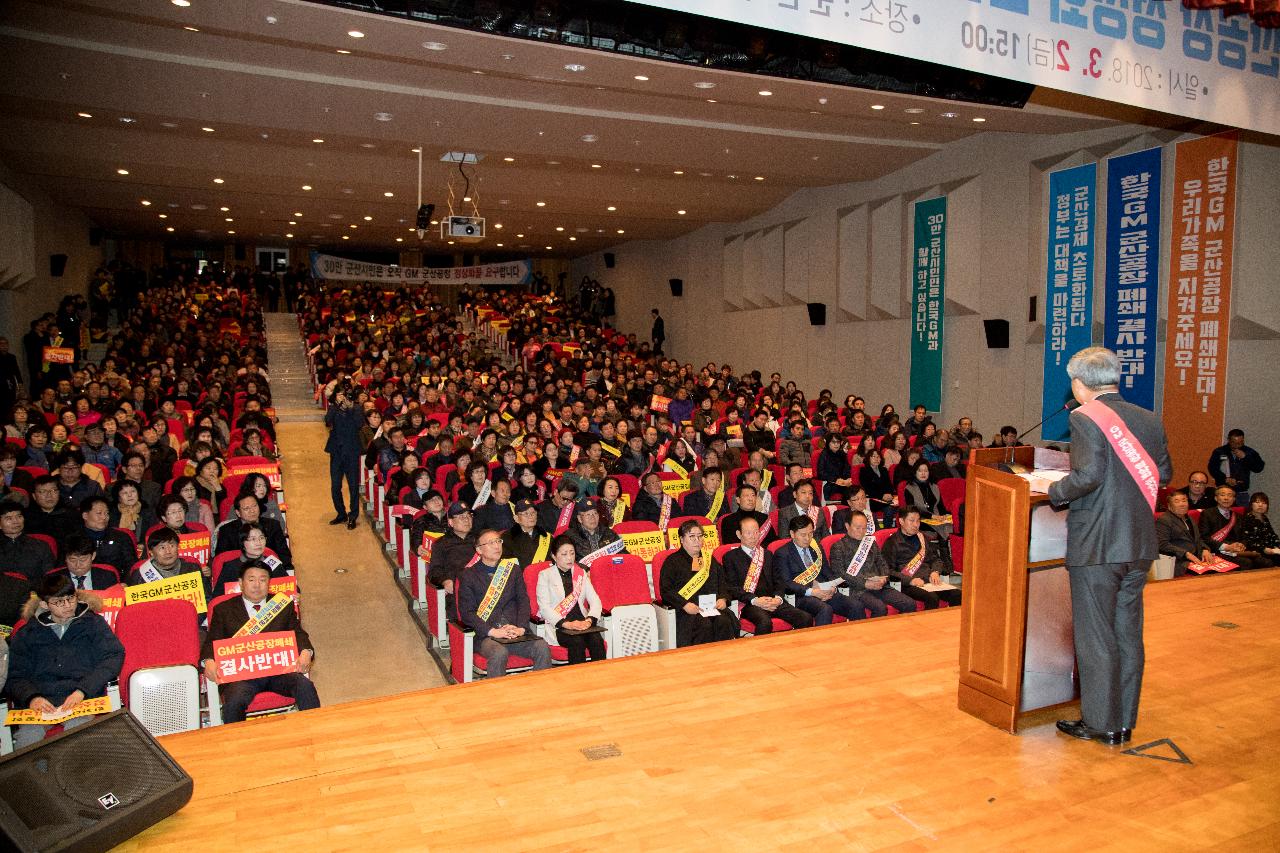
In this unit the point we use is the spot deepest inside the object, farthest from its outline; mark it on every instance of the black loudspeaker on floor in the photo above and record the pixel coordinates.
(88, 789)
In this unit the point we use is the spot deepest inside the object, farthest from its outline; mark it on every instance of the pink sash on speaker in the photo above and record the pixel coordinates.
(1135, 458)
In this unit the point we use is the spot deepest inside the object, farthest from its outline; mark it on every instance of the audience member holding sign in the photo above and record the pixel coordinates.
(1221, 528)
(63, 655)
(694, 586)
(249, 614)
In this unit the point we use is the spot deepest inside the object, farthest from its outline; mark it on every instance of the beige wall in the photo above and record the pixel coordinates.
(50, 229)
(745, 284)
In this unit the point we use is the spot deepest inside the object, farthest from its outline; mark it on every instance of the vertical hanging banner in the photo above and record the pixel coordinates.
(1132, 285)
(928, 302)
(1069, 298)
(1200, 250)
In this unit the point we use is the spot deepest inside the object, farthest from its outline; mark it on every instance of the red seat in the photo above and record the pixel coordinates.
(634, 527)
(828, 541)
(620, 579)
(951, 490)
(156, 633)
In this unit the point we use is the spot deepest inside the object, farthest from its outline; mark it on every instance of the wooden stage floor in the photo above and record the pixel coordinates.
(846, 737)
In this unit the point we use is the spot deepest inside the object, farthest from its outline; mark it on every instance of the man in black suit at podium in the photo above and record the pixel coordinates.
(1119, 459)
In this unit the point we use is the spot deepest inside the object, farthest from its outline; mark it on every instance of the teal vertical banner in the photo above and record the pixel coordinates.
(1068, 288)
(928, 302)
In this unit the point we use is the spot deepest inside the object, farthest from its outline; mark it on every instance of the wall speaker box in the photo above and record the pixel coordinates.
(95, 236)
(997, 333)
(817, 313)
(1031, 309)
(677, 286)
(609, 260)
(90, 788)
(57, 265)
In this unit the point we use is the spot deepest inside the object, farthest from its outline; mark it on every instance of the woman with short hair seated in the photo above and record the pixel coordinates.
(567, 602)
(64, 654)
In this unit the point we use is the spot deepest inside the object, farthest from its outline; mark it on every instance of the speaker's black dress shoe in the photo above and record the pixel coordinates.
(1078, 729)
(1126, 735)
(338, 519)
(351, 522)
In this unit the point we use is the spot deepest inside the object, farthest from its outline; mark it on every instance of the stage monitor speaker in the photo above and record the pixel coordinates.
(817, 313)
(90, 788)
(677, 286)
(57, 265)
(95, 236)
(609, 260)
(997, 333)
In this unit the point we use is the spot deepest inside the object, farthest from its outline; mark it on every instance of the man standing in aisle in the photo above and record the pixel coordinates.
(659, 333)
(343, 448)
(1119, 459)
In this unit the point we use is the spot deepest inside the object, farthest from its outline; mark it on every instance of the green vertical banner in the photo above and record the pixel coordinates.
(928, 303)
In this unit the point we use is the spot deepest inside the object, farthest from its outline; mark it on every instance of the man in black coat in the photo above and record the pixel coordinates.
(19, 553)
(229, 617)
(1179, 537)
(1119, 459)
(10, 377)
(112, 547)
(343, 447)
(750, 579)
(79, 560)
(249, 511)
(659, 332)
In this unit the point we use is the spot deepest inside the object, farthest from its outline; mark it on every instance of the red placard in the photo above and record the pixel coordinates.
(112, 604)
(59, 355)
(285, 586)
(195, 547)
(658, 403)
(255, 656)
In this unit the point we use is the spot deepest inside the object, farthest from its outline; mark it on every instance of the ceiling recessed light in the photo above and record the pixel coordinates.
(589, 137)
(641, 78)
(559, 227)
(433, 222)
(229, 219)
(183, 3)
(399, 239)
(704, 84)
(382, 117)
(355, 34)
(297, 215)
(621, 231)
(508, 159)
(146, 203)
(765, 93)
(317, 140)
(207, 129)
(682, 212)
(499, 245)
(306, 187)
(435, 45)
(913, 111)
(224, 209)
(346, 236)
(415, 150)
(85, 115)
(191, 29)
(595, 165)
(498, 225)
(548, 248)
(169, 228)
(575, 67)
(389, 194)
(288, 235)
(712, 101)
(164, 216)
(877, 106)
(678, 172)
(231, 232)
(759, 177)
(950, 115)
(915, 122)
(979, 119)
(542, 204)
(611, 208)
(573, 239)
(477, 71)
(343, 51)
(368, 219)
(293, 222)
(519, 235)
(122, 171)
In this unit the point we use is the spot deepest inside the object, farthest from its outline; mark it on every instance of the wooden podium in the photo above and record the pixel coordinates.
(1016, 649)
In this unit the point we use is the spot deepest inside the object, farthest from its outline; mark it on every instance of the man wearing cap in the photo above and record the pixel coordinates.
(525, 540)
(432, 519)
(493, 602)
(452, 552)
(555, 514)
(590, 536)
(98, 452)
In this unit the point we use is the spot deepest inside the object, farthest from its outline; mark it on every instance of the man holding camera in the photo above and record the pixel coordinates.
(343, 448)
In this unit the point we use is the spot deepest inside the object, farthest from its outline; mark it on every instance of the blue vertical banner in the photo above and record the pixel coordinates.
(1069, 287)
(928, 302)
(1132, 261)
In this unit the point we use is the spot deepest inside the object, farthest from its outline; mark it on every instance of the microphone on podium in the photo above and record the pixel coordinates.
(1068, 406)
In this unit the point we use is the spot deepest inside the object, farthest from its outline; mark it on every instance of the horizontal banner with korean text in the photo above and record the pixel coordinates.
(1150, 53)
(331, 268)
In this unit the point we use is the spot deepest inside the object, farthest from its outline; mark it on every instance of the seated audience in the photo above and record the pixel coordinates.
(693, 585)
(591, 538)
(494, 603)
(747, 500)
(248, 509)
(917, 556)
(163, 561)
(710, 501)
(750, 579)
(128, 512)
(1199, 495)
(859, 561)
(452, 553)
(1220, 527)
(113, 546)
(1179, 536)
(804, 505)
(922, 492)
(79, 565)
(1259, 537)
(805, 573)
(19, 552)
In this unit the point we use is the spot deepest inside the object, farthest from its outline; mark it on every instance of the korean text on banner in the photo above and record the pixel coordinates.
(1200, 251)
(330, 268)
(256, 656)
(87, 708)
(928, 302)
(1132, 284)
(188, 586)
(1069, 287)
(1143, 53)
(644, 545)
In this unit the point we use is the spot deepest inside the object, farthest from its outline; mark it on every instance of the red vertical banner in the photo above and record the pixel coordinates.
(1199, 317)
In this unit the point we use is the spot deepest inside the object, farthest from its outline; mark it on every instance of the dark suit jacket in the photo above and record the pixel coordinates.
(229, 537)
(1211, 521)
(1110, 521)
(229, 616)
(100, 578)
(344, 431)
(1178, 536)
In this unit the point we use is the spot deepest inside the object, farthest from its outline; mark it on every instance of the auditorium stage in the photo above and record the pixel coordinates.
(846, 736)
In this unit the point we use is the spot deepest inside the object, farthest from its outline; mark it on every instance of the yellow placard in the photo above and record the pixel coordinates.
(645, 545)
(87, 708)
(187, 587)
(675, 487)
(942, 519)
(710, 538)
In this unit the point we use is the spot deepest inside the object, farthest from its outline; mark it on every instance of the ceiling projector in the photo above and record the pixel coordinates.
(463, 229)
